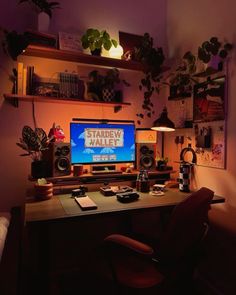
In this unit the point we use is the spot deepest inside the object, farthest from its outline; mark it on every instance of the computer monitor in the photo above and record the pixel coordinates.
(99, 143)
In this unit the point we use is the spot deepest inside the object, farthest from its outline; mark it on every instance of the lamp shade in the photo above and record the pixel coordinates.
(163, 123)
(116, 52)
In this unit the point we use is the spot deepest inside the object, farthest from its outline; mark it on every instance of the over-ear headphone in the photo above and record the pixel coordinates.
(188, 149)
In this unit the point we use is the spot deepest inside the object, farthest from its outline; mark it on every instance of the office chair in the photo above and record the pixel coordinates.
(168, 267)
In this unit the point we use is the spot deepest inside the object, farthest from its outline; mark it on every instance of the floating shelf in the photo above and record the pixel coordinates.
(79, 57)
(13, 98)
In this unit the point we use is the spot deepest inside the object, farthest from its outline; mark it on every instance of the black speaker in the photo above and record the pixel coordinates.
(58, 158)
(146, 156)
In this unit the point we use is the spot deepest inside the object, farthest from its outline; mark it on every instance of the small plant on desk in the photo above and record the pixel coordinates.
(34, 142)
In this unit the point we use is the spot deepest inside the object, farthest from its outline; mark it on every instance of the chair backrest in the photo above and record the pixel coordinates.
(186, 226)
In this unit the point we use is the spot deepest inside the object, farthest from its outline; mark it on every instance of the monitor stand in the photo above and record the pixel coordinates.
(104, 169)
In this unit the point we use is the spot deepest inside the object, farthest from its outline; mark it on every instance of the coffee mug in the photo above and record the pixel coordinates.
(78, 170)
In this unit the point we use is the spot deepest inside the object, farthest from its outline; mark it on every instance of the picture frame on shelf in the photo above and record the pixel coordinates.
(176, 92)
(128, 42)
(69, 42)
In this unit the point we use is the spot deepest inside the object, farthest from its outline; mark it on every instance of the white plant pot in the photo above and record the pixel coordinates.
(43, 22)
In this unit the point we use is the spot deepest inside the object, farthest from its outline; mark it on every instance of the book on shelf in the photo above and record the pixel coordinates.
(20, 78)
(70, 86)
(24, 88)
(30, 80)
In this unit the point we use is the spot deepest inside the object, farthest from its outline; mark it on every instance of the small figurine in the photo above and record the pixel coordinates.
(56, 133)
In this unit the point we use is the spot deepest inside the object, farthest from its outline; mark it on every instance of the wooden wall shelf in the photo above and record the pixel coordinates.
(79, 57)
(13, 99)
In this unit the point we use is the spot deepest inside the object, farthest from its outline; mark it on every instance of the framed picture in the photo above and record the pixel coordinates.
(129, 41)
(209, 100)
(178, 92)
(70, 42)
(213, 155)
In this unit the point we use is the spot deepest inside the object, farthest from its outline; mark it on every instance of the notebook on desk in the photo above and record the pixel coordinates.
(85, 203)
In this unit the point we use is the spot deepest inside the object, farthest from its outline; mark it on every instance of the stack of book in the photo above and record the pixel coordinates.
(70, 86)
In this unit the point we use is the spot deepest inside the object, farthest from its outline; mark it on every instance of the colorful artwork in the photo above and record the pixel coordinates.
(209, 100)
(215, 155)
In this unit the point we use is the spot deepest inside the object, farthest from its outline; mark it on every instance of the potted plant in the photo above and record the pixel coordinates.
(43, 5)
(110, 81)
(161, 163)
(181, 79)
(95, 40)
(44, 9)
(103, 87)
(34, 142)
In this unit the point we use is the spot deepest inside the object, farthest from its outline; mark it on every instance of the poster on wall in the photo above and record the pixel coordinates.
(214, 155)
(209, 100)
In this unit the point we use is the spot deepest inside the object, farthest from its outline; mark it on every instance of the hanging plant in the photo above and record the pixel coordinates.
(13, 43)
(181, 79)
(185, 75)
(152, 59)
(214, 48)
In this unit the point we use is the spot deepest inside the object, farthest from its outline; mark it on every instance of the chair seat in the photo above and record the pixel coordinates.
(137, 273)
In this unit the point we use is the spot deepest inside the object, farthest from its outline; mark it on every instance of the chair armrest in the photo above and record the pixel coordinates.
(129, 243)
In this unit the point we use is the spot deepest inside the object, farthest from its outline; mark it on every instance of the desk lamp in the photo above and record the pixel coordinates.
(163, 124)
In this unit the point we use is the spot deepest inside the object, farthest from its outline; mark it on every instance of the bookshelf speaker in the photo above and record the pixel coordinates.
(146, 156)
(58, 158)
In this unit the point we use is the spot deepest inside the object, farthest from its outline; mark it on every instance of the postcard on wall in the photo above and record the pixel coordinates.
(70, 42)
(209, 100)
(215, 155)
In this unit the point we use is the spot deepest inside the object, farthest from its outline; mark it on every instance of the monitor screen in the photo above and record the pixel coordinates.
(95, 143)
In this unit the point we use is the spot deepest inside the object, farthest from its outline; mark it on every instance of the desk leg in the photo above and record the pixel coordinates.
(37, 240)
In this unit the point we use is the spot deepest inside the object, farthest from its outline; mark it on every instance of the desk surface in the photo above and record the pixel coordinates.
(63, 206)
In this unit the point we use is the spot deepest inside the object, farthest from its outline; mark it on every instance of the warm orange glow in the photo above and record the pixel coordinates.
(164, 129)
(116, 52)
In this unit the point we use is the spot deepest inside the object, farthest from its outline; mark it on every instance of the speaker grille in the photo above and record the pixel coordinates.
(58, 159)
(146, 156)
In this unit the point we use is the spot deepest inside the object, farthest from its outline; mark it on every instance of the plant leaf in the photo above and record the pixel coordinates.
(114, 42)
(107, 44)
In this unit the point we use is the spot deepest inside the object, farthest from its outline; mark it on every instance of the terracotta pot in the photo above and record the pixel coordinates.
(44, 191)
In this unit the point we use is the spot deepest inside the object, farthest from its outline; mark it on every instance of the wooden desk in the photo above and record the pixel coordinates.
(53, 209)
(62, 238)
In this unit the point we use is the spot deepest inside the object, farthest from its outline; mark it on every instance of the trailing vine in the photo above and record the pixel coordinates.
(152, 59)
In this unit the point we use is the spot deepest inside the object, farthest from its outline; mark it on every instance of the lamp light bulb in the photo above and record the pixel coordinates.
(116, 52)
